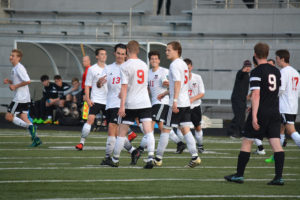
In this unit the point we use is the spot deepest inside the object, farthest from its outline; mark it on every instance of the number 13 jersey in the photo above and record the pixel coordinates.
(266, 78)
(134, 72)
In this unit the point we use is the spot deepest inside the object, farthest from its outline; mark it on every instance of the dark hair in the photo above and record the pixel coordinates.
(254, 60)
(188, 61)
(176, 46)
(44, 78)
(153, 53)
(283, 53)
(99, 49)
(272, 60)
(133, 46)
(261, 50)
(75, 80)
(120, 45)
(18, 51)
(57, 77)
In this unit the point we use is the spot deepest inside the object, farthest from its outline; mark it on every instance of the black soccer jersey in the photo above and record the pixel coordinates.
(61, 90)
(50, 91)
(266, 78)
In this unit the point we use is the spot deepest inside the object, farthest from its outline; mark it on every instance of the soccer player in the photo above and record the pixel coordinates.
(97, 99)
(20, 104)
(271, 62)
(288, 96)
(196, 92)
(264, 117)
(112, 76)
(179, 114)
(135, 102)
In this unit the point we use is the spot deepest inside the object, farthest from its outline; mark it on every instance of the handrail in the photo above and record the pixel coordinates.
(130, 16)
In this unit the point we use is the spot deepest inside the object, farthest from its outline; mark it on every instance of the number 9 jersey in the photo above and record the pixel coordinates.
(266, 78)
(134, 72)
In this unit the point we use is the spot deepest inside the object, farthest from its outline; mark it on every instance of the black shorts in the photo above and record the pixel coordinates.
(269, 126)
(17, 108)
(182, 118)
(288, 118)
(112, 115)
(143, 114)
(159, 112)
(96, 108)
(196, 116)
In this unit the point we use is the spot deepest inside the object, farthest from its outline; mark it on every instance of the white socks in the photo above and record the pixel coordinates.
(19, 122)
(296, 137)
(150, 144)
(174, 137)
(144, 142)
(191, 144)
(258, 142)
(282, 138)
(199, 137)
(179, 134)
(119, 146)
(162, 144)
(110, 145)
(86, 129)
(128, 146)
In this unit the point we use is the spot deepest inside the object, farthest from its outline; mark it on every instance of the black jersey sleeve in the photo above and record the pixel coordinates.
(255, 79)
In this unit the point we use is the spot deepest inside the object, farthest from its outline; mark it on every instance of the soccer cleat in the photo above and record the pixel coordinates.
(234, 178)
(48, 121)
(106, 161)
(35, 120)
(115, 163)
(200, 148)
(270, 160)
(180, 147)
(79, 146)
(149, 165)
(284, 142)
(258, 152)
(36, 142)
(135, 155)
(132, 136)
(40, 121)
(276, 181)
(56, 122)
(194, 162)
(32, 131)
(157, 162)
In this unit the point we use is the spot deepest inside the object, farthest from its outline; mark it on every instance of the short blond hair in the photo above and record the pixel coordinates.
(18, 51)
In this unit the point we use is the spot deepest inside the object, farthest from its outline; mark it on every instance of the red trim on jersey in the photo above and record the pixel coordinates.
(84, 77)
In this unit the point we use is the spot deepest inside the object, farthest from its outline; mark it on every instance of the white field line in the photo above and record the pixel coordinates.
(184, 197)
(132, 180)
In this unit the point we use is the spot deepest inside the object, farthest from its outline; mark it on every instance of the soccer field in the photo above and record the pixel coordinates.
(56, 170)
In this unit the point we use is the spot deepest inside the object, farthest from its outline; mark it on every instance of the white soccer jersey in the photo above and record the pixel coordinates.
(19, 75)
(113, 77)
(196, 87)
(179, 72)
(134, 72)
(98, 95)
(288, 100)
(155, 83)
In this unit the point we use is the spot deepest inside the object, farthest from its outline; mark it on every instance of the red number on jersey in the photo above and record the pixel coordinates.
(151, 83)
(116, 80)
(186, 78)
(140, 75)
(295, 81)
(190, 92)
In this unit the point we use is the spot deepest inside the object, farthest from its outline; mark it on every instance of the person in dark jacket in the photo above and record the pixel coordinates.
(239, 99)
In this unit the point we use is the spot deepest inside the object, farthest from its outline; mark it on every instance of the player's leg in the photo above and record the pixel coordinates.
(36, 141)
(147, 127)
(243, 159)
(196, 118)
(260, 148)
(161, 146)
(290, 129)
(279, 161)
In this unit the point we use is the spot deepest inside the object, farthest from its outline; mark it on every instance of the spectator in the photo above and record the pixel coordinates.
(168, 5)
(271, 62)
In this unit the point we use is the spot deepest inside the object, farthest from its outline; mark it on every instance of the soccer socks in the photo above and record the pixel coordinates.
(259, 145)
(296, 137)
(128, 146)
(19, 122)
(282, 138)
(179, 134)
(199, 137)
(143, 143)
(150, 145)
(110, 145)
(86, 129)
(162, 144)
(242, 162)
(174, 137)
(118, 147)
(279, 162)
(191, 144)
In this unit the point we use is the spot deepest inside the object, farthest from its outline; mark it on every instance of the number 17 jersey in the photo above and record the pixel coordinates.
(266, 78)
(134, 72)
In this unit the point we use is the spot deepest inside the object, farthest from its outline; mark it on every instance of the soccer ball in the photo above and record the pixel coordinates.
(66, 111)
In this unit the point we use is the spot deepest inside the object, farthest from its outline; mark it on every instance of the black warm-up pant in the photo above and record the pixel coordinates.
(238, 121)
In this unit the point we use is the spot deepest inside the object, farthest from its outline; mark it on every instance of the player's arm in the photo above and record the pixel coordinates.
(255, 104)
(201, 91)
(177, 86)
(162, 95)
(14, 87)
(123, 95)
(7, 81)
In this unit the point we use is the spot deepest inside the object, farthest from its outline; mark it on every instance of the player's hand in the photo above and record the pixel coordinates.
(255, 124)
(174, 108)
(121, 112)
(6, 81)
(101, 81)
(90, 103)
(12, 87)
(160, 96)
